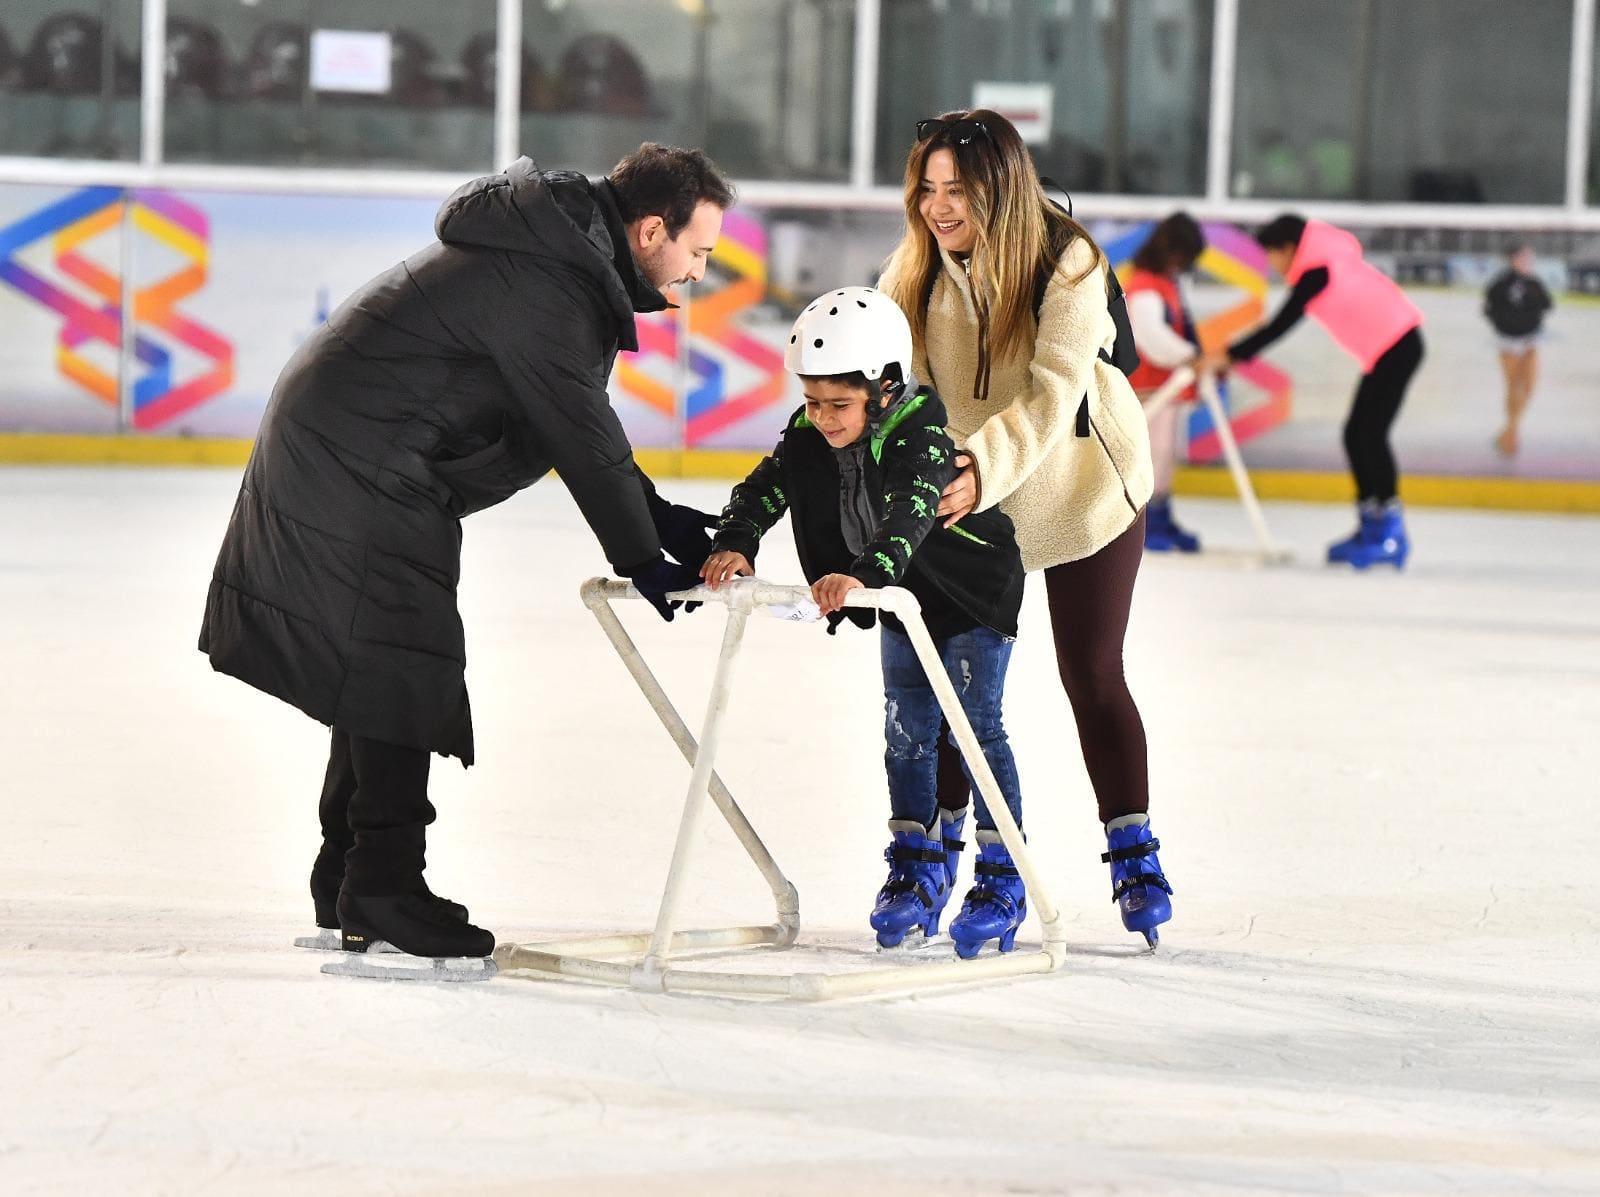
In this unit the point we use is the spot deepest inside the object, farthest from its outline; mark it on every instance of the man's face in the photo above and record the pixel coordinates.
(670, 261)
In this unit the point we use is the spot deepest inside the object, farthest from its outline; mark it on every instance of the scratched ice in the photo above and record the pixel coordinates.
(1376, 796)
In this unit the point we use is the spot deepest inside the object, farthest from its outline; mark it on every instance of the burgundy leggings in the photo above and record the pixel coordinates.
(1089, 603)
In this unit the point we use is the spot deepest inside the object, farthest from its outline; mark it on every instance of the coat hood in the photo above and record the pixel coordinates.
(556, 215)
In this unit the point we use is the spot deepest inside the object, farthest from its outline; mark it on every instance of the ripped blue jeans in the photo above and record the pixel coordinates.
(976, 663)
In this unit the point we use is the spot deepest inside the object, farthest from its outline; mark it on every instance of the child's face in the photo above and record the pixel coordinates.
(1281, 258)
(837, 410)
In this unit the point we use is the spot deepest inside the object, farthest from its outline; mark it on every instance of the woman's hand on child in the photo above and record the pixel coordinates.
(828, 592)
(724, 566)
(961, 496)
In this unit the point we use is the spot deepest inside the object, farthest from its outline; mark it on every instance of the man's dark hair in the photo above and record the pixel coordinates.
(1174, 245)
(1283, 233)
(665, 181)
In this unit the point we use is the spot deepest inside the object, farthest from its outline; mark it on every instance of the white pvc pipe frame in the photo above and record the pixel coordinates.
(655, 969)
(1168, 393)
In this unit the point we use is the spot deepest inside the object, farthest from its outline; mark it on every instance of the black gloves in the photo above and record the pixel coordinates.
(682, 532)
(657, 578)
(862, 617)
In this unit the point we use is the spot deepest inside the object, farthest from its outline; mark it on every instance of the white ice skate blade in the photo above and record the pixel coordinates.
(327, 940)
(915, 941)
(380, 962)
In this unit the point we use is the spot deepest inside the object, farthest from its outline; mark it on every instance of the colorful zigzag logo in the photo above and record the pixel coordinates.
(710, 406)
(97, 318)
(1232, 258)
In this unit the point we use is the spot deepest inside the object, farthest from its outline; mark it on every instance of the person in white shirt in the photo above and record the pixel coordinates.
(1164, 332)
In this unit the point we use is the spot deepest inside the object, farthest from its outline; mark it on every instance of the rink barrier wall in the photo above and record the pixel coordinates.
(1416, 490)
(1303, 486)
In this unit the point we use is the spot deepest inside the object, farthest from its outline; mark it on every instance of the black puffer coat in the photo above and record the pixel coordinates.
(445, 385)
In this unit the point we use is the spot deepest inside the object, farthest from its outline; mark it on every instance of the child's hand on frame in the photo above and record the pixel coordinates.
(724, 566)
(828, 592)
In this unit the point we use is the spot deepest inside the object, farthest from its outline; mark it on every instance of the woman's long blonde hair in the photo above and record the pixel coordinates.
(1020, 233)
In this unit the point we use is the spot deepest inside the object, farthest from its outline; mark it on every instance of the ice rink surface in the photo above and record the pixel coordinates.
(1377, 796)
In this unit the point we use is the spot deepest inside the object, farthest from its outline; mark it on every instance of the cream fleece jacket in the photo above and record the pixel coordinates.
(1069, 496)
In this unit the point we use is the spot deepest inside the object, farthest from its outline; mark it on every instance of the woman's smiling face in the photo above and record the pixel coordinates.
(944, 204)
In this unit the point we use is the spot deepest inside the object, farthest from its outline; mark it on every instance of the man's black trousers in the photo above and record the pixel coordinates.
(375, 812)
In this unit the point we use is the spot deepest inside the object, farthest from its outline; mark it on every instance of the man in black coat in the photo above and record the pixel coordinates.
(446, 385)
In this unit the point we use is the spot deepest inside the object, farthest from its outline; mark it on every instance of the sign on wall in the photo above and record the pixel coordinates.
(1028, 106)
(350, 60)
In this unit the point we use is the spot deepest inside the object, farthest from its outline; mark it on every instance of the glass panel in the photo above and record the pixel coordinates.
(1441, 101)
(69, 78)
(1592, 187)
(334, 83)
(763, 86)
(1121, 88)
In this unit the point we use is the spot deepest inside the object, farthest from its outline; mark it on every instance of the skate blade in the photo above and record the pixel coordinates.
(327, 940)
(381, 962)
(915, 941)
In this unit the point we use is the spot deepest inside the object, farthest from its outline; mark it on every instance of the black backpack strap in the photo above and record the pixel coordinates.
(1124, 353)
(1125, 357)
(1050, 185)
(1042, 283)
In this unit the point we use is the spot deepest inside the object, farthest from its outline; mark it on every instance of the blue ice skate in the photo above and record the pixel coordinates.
(914, 896)
(1137, 885)
(1340, 551)
(1383, 539)
(996, 904)
(951, 824)
(1162, 533)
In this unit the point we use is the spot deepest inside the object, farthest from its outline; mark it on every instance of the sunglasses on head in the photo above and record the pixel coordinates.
(962, 132)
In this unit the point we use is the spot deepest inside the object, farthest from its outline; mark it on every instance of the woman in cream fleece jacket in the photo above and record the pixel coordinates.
(1052, 433)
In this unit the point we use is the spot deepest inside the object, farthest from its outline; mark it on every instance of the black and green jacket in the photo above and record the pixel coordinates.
(963, 576)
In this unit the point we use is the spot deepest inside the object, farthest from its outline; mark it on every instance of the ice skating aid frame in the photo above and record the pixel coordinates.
(653, 965)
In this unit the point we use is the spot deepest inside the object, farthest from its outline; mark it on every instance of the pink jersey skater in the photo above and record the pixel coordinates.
(1361, 307)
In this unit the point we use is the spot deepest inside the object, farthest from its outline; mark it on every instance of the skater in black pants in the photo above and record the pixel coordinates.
(445, 385)
(1372, 320)
(1366, 429)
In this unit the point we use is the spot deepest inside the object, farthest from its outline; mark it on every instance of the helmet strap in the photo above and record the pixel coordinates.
(890, 399)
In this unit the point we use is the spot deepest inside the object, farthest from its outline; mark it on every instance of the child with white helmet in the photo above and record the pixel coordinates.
(859, 469)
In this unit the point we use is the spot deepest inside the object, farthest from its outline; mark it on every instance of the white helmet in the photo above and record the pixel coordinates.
(853, 328)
